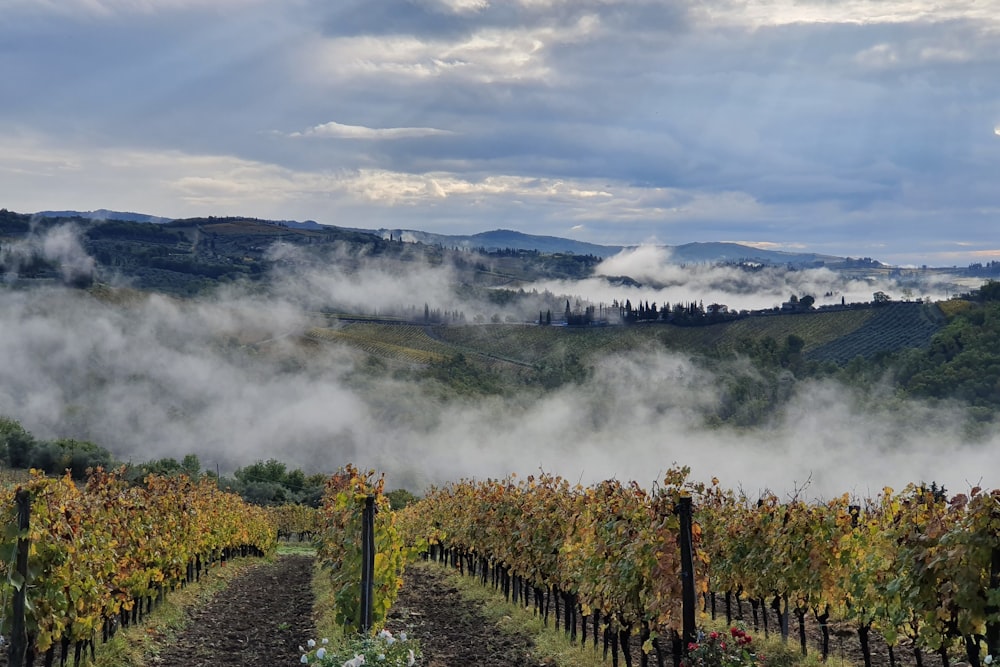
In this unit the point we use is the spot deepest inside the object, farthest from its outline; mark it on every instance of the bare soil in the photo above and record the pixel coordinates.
(259, 620)
(452, 631)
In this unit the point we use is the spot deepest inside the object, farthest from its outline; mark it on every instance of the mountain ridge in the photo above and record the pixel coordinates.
(504, 239)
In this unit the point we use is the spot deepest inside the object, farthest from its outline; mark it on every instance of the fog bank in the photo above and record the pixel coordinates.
(225, 379)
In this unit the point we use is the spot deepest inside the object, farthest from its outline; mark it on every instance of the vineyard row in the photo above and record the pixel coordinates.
(101, 556)
(915, 564)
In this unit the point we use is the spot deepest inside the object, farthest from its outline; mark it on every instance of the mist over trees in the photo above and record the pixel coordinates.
(434, 363)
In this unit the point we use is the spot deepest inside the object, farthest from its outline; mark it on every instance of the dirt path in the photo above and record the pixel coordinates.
(452, 632)
(259, 620)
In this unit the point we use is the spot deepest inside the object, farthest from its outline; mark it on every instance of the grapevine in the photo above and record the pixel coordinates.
(100, 553)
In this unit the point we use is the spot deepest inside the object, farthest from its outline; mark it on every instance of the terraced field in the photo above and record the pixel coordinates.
(893, 327)
(837, 336)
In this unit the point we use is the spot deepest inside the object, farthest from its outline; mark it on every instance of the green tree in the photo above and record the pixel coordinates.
(15, 443)
(400, 498)
(271, 470)
(191, 466)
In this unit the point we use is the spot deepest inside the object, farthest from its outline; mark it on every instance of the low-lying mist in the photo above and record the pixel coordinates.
(227, 378)
(740, 288)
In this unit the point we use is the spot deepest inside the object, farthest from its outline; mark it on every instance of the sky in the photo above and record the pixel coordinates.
(852, 128)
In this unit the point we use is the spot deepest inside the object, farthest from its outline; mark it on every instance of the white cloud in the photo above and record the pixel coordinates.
(465, 6)
(335, 130)
(488, 55)
(879, 55)
(761, 13)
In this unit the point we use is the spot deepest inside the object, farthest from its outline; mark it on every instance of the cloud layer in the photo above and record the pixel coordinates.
(855, 128)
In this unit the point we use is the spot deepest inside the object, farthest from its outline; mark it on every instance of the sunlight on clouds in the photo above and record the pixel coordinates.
(335, 130)
(487, 55)
(762, 13)
(465, 6)
(391, 188)
(203, 184)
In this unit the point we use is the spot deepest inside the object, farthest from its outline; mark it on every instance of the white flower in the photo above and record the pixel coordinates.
(321, 653)
(411, 659)
(381, 657)
(304, 659)
(311, 643)
(988, 660)
(402, 636)
(356, 661)
(325, 641)
(385, 634)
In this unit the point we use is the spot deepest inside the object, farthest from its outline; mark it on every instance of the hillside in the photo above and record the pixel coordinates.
(503, 239)
(186, 257)
(837, 336)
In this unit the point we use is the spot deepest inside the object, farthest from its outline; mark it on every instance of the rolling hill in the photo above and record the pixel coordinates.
(836, 336)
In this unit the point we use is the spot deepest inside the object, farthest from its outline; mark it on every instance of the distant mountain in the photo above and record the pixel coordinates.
(105, 214)
(688, 253)
(499, 239)
(126, 216)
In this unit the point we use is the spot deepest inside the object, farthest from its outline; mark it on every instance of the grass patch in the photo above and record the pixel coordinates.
(324, 610)
(295, 549)
(141, 644)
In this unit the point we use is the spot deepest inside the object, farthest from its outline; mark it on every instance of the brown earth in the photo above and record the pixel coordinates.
(452, 631)
(259, 620)
(263, 617)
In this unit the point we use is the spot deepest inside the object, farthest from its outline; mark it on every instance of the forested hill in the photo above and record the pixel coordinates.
(189, 256)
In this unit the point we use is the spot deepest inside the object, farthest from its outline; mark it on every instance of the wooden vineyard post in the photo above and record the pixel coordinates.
(993, 626)
(367, 564)
(18, 632)
(690, 634)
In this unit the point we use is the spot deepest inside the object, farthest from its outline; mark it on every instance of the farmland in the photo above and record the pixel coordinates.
(836, 336)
